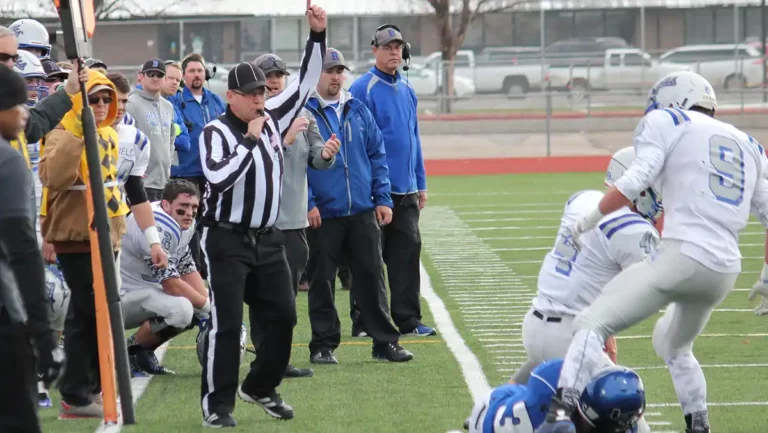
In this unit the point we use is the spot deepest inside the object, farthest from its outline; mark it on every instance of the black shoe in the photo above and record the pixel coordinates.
(392, 352)
(323, 357)
(136, 370)
(147, 361)
(697, 422)
(292, 371)
(357, 331)
(215, 420)
(272, 404)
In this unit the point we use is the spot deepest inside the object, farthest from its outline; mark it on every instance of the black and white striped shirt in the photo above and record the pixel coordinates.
(245, 175)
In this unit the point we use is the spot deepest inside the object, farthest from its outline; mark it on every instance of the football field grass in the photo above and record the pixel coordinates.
(484, 238)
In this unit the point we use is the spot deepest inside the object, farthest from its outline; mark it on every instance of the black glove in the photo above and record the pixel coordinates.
(50, 357)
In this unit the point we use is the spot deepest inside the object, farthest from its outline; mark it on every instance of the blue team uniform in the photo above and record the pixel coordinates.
(520, 408)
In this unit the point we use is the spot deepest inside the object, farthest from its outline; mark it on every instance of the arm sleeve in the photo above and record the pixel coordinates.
(19, 241)
(421, 173)
(220, 171)
(134, 189)
(378, 158)
(186, 263)
(316, 145)
(284, 107)
(60, 163)
(759, 203)
(44, 116)
(170, 236)
(650, 154)
(143, 147)
(182, 140)
(310, 199)
(632, 246)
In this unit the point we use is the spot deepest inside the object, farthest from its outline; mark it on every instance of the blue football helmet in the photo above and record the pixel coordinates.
(614, 400)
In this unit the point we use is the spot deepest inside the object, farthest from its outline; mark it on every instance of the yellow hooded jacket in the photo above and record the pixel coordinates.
(63, 170)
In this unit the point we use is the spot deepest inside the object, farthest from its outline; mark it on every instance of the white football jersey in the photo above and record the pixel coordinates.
(134, 152)
(33, 149)
(707, 172)
(136, 269)
(570, 279)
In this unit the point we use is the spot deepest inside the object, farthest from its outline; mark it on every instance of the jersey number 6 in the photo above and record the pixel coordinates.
(566, 254)
(520, 422)
(727, 158)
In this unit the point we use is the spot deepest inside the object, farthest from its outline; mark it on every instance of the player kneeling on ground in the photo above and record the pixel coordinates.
(162, 302)
(612, 402)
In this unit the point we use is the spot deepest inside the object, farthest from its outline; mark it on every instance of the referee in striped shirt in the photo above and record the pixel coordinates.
(242, 156)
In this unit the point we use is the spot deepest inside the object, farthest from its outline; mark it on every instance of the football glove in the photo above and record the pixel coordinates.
(761, 288)
(584, 224)
(50, 357)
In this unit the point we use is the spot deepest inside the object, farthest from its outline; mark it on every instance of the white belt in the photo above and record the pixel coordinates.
(82, 187)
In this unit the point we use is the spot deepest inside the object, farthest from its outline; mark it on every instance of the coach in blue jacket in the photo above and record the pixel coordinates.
(353, 199)
(392, 101)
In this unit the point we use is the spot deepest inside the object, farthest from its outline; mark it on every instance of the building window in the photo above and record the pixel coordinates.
(473, 40)
(724, 27)
(341, 34)
(752, 24)
(699, 26)
(287, 36)
(214, 40)
(526, 29)
(254, 39)
(498, 29)
(366, 29)
(558, 26)
(620, 24)
(588, 24)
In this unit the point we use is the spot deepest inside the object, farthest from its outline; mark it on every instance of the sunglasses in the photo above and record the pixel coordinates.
(4, 57)
(258, 92)
(154, 74)
(94, 100)
(271, 63)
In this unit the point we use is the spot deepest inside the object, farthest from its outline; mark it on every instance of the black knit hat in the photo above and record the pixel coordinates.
(13, 89)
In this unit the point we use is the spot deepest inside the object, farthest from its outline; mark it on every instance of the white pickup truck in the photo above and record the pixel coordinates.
(492, 71)
(621, 69)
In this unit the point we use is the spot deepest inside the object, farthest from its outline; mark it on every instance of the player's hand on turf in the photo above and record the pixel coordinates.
(383, 215)
(159, 256)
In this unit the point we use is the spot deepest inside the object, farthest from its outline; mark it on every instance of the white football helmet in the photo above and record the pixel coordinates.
(648, 204)
(682, 89)
(57, 294)
(30, 68)
(32, 35)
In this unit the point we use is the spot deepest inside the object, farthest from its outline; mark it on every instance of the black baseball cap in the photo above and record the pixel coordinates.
(156, 65)
(387, 35)
(269, 63)
(246, 77)
(52, 70)
(95, 63)
(334, 58)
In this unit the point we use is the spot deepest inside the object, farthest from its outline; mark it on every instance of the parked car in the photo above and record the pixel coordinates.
(729, 66)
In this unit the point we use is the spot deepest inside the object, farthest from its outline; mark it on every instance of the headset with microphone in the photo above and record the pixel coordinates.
(406, 45)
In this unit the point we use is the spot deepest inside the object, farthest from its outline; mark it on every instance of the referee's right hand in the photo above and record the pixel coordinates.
(256, 125)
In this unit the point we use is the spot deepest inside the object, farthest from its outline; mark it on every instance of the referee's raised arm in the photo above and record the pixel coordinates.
(284, 107)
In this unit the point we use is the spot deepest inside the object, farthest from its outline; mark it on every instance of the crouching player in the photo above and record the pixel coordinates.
(162, 302)
(612, 402)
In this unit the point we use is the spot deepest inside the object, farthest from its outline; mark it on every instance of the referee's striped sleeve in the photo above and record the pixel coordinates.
(222, 171)
(284, 107)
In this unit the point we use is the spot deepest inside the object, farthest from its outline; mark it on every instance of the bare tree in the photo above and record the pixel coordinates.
(452, 35)
(104, 9)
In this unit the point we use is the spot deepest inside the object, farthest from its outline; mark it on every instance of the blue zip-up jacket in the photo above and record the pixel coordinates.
(195, 116)
(393, 103)
(359, 179)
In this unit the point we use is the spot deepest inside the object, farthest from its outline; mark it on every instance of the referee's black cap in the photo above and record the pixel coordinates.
(245, 78)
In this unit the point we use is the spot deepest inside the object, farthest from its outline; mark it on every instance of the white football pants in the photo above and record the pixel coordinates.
(668, 278)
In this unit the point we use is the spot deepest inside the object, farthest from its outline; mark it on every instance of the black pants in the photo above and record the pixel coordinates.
(297, 252)
(250, 268)
(154, 194)
(401, 246)
(194, 243)
(18, 379)
(81, 375)
(360, 237)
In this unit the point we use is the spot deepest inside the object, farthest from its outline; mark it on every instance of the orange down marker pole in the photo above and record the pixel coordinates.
(103, 327)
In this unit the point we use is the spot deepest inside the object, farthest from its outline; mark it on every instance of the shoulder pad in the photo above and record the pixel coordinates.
(667, 116)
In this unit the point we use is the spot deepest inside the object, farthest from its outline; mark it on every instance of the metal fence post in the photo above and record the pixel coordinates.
(548, 109)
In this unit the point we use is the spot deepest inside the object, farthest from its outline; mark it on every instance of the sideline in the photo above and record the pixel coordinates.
(468, 362)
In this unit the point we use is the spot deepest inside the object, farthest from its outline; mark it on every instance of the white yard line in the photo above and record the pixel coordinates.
(468, 362)
(138, 386)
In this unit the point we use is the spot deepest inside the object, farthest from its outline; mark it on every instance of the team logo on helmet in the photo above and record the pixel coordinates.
(21, 64)
(17, 30)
